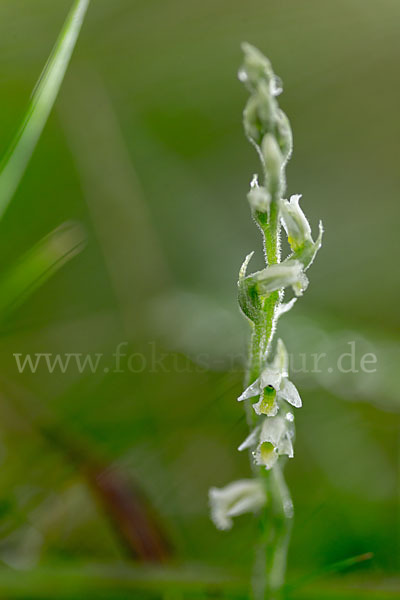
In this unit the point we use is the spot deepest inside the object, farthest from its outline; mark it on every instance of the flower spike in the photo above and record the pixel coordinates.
(268, 389)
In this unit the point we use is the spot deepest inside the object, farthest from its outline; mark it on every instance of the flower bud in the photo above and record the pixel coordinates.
(251, 121)
(259, 199)
(255, 67)
(245, 495)
(260, 113)
(266, 107)
(273, 160)
(284, 134)
(295, 223)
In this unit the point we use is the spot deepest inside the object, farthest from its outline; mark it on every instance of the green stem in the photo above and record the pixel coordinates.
(275, 529)
(255, 362)
(282, 513)
(270, 232)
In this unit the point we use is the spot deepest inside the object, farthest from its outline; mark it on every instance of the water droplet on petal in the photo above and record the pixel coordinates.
(290, 417)
(288, 508)
(254, 181)
(276, 85)
(242, 75)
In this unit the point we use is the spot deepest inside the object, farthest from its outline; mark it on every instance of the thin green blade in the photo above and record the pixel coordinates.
(39, 264)
(16, 158)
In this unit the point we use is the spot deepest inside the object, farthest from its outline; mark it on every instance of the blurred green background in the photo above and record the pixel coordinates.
(145, 148)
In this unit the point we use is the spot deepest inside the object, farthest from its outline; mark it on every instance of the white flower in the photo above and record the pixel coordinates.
(299, 231)
(276, 277)
(271, 439)
(295, 222)
(259, 199)
(245, 495)
(273, 385)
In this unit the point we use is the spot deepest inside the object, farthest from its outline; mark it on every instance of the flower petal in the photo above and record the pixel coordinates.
(281, 359)
(289, 393)
(286, 446)
(270, 376)
(251, 440)
(253, 390)
(285, 307)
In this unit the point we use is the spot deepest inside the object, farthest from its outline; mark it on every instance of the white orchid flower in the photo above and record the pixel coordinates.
(273, 385)
(271, 439)
(245, 495)
(278, 276)
(295, 222)
(299, 231)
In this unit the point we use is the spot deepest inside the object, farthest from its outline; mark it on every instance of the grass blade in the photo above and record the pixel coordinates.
(336, 567)
(39, 264)
(17, 156)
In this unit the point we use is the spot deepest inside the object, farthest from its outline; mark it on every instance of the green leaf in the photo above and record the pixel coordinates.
(39, 264)
(16, 158)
